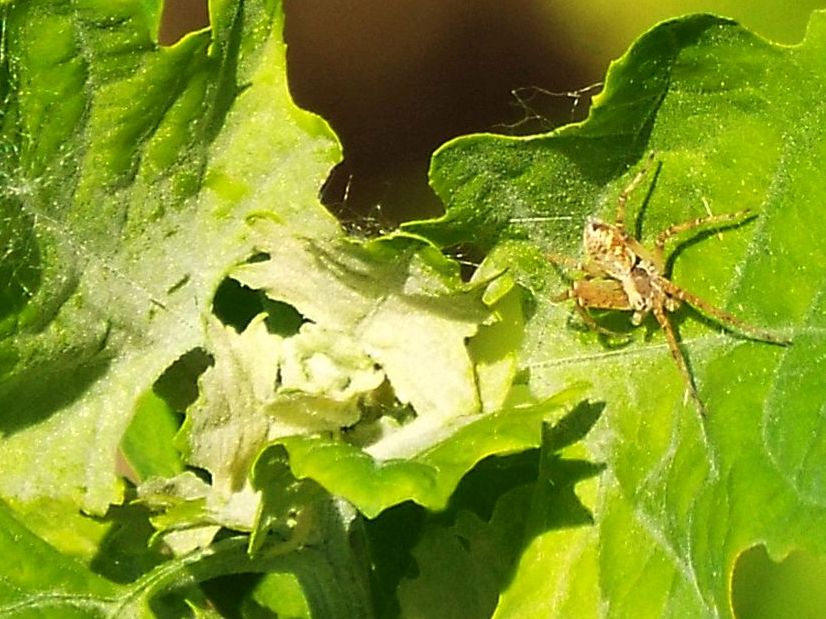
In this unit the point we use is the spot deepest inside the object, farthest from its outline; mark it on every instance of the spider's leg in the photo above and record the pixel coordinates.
(588, 268)
(678, 356)
(593, 324)
(564, 261)
(622, 199)
(724, 218)
(722, 316)
(563, 296)
(594, 293)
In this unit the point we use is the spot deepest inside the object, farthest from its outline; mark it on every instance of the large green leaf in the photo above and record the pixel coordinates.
(123, 204)
(427, 474)
(735, 123)
(44, 582)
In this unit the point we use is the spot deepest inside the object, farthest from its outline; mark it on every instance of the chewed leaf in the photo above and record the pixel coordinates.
(323, 376)
(125, 197)
(260, 387)
(409, 315)
(383, 359)
(226, 427)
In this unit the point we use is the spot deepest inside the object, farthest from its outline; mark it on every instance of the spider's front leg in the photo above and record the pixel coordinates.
(588, 268)
(638, 316)
(591, 291)
(622, 199)
(712, 220)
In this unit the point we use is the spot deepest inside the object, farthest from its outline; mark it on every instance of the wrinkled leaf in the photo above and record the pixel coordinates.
(123, 203)
(397, 313)
(427, 476)
(409, 314)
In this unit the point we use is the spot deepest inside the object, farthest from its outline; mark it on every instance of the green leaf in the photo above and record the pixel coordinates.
(763, 588)
(428, 474)
(683, 495)
(124, 201)
(37, 580)
(153, 417)
(466, 555)
(280, 594)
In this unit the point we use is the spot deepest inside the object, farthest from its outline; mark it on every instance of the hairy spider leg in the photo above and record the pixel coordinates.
(722, 316)
(622, 199)
(678, 356)
(673, 230)
(586, 317)
(592, 291)
(565, 261)
(580, 309)
(590, 269)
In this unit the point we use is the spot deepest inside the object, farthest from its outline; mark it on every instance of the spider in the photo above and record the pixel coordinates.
(621, 274)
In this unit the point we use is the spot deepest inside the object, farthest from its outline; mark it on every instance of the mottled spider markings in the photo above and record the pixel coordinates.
(619, 273)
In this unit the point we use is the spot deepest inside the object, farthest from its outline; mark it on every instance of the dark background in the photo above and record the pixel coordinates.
(396, 79)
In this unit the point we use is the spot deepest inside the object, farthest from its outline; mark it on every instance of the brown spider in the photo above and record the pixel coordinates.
(621, 274)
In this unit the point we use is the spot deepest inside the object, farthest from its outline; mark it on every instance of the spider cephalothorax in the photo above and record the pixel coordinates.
(621, 274)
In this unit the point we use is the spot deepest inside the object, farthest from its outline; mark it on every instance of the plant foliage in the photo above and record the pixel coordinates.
(213, 402)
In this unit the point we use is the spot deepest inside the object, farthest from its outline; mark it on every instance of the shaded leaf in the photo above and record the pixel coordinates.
(45, 582)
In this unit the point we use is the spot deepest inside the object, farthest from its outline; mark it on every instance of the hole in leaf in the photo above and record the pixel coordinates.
(205, 476)
(236, 305)
(360, 220)
(178, 385)
(794, 587)
(139, 458)
(282, 318)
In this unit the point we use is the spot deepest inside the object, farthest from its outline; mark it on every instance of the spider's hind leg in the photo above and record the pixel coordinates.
(723, 317)
(589, 320)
